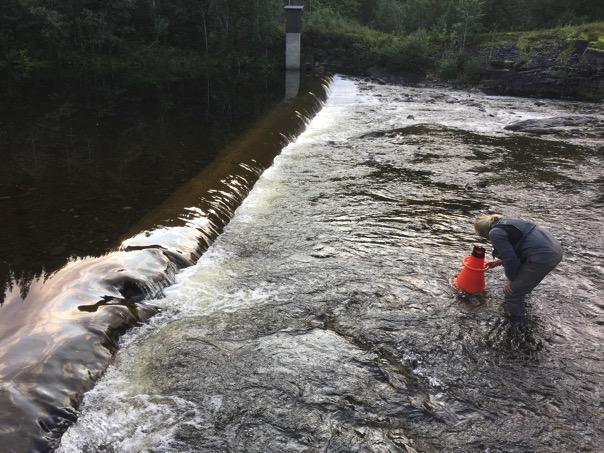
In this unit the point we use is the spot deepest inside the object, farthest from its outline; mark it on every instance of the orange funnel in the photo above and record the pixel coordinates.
(471, 277)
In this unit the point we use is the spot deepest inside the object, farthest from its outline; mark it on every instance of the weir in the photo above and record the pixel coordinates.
(322, 318)
(57, 339)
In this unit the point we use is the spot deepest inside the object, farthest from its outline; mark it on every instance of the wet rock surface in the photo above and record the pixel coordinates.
(287, 389)
(323, 318)
(566, 126)
(549, 70)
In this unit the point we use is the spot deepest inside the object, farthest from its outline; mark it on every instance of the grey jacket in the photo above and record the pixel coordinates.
(517, 241)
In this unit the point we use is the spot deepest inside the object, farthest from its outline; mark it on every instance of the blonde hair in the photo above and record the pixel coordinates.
(483, 224)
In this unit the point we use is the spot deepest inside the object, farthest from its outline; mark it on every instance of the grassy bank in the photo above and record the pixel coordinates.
(330, 37)
(345, 45)
(593, 33)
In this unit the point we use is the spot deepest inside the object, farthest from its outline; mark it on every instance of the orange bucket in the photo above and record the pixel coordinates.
(471, 277)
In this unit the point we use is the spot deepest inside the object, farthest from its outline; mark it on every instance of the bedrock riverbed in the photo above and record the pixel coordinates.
(322, 318)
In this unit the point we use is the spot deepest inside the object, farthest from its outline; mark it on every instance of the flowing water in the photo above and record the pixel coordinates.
(322, 318)
(58, 331)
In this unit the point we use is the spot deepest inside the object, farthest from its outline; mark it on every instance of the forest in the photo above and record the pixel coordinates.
(408, 16)
(172, 39)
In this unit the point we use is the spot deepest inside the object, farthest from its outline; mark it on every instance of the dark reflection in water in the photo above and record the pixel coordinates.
(59, 331)
(78, 171)
(292, 83)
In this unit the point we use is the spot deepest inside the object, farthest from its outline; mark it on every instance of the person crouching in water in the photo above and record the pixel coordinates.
(528, 253)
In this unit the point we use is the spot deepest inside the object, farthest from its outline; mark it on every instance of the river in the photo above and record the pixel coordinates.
(322, 317)
(82, 166)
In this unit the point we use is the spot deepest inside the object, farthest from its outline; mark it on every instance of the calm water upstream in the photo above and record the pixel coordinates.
(79, 169)
(322, 317)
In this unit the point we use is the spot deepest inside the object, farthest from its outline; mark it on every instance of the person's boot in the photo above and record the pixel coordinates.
(521, 335)
(519, 321)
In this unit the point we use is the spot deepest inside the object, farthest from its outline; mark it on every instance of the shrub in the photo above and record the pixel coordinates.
(599, 43)
(472, 70)
(461, 69)
(448, 68)
(410, 54)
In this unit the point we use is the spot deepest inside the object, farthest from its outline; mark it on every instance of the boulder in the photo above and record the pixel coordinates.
(568, 126)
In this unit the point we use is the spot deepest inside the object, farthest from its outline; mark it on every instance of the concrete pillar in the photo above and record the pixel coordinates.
(292, 83)
(293, 36)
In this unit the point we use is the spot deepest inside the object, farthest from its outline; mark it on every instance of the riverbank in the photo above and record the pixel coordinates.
(562, 63)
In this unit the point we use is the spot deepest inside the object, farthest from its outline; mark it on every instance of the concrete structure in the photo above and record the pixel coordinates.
(292, 83)
(293, 35)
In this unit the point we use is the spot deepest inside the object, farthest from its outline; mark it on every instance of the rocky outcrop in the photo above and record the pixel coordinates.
(550, 70)
(523, 66)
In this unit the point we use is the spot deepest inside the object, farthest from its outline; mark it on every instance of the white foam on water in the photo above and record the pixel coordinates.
(122, 421)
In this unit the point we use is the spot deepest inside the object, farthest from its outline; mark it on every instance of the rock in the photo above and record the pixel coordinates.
(594, 57)
(569, 126)
(548, 69)
(373, 134)
(410, 117)
(323, 252)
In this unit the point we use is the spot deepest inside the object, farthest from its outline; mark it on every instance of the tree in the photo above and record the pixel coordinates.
(388, 16)
(469, 13)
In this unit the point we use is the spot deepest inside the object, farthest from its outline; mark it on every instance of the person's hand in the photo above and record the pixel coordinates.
(507, 288)
(492, 264)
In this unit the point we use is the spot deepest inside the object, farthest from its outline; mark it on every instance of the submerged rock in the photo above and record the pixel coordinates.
(567, 126)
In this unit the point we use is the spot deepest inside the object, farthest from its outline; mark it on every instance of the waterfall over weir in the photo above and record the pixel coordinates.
(58, 335)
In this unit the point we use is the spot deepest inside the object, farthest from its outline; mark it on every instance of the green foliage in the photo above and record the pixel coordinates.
(410, 54)
(452, 27)
(472, 70)
(589, 32)
(448, 68)
(327, 21)
(363, 46)
(389, 16)
(462, 69)
(58, 35)
(468, 26)
(599, 43)
(408, 16)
